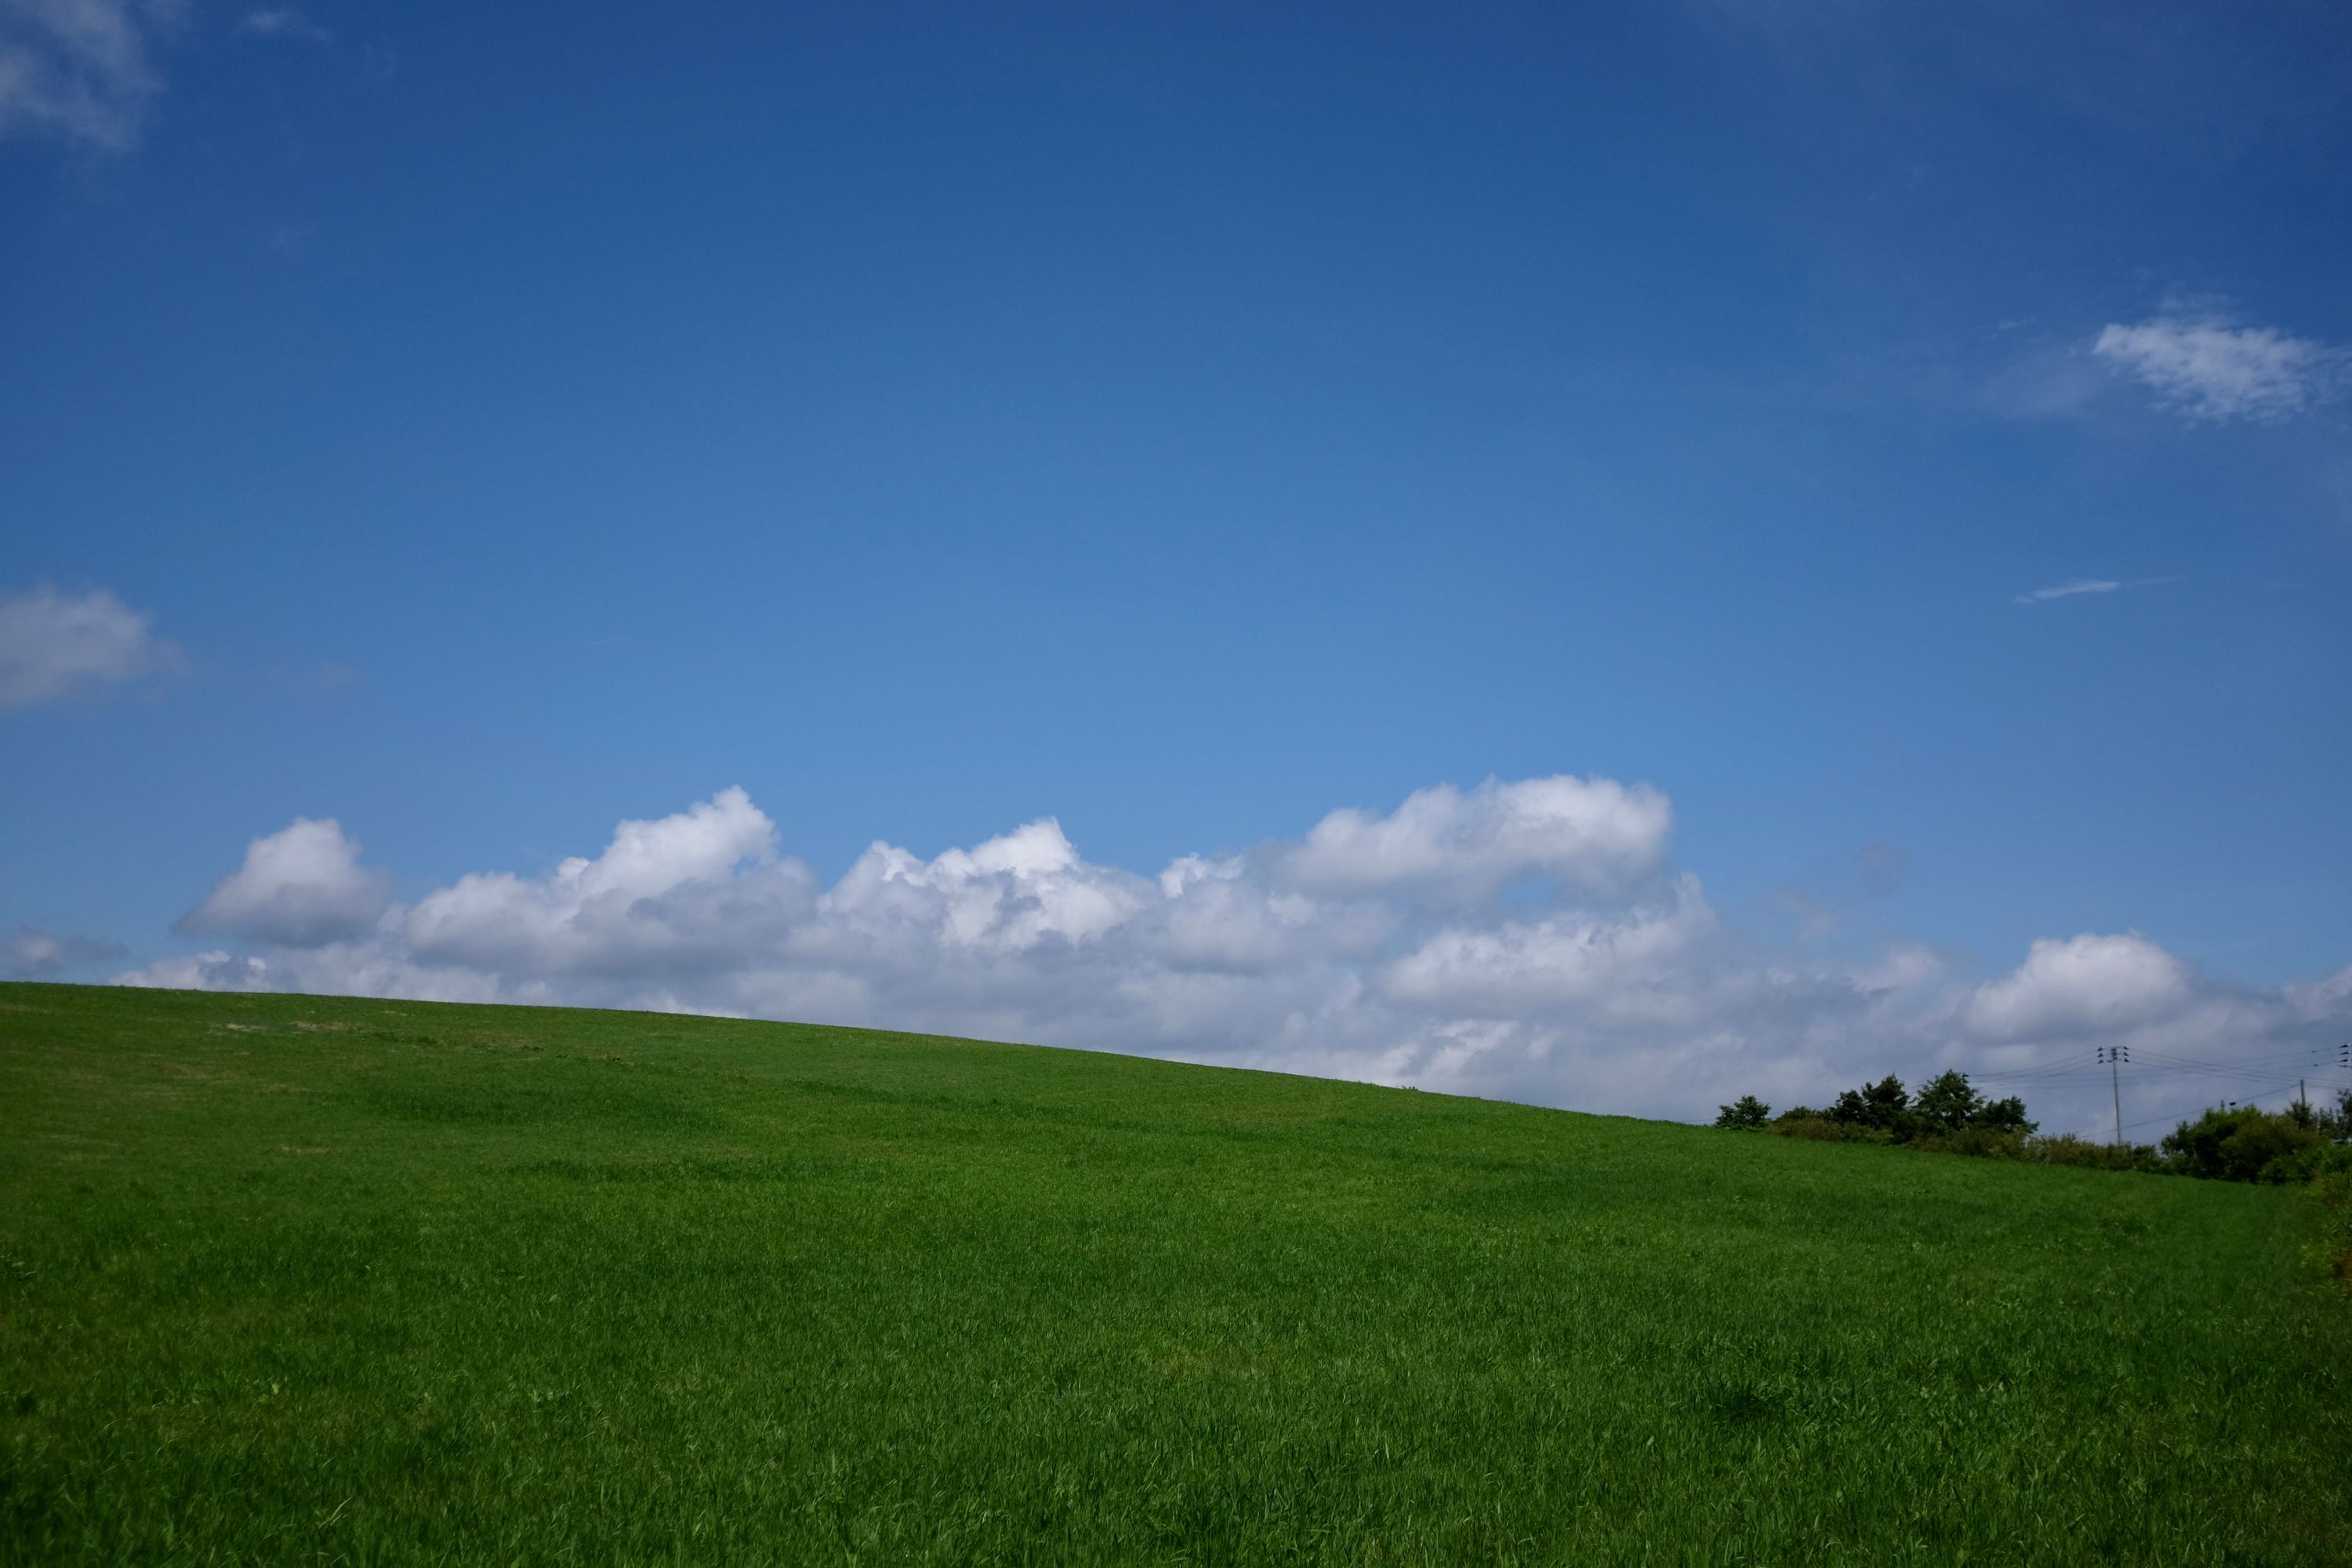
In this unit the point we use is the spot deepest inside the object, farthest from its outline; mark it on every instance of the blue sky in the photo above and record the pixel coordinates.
(489, 426)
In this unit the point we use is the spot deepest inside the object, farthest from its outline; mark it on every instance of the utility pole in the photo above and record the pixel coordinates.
(2114, 1057)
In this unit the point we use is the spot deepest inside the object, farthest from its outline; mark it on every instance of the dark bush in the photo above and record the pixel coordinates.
(2066, 1149)
(1817, 1128)
(2310, 1164)
(2333, 1188)
(2241, 1144)
(1981, 1142)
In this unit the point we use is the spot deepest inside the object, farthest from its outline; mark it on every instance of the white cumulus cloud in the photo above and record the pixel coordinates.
(1620, 961)
(218, 970)
(2209, 368)
(2080, 986)
(300, 887)
(694, 892)
(1594, 831)
(1528, 940)
(55, 645)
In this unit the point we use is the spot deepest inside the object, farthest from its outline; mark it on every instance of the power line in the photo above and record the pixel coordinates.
(2313, 1052)
(2264, 1067)
(2249, 1064)
(2154, 1067)
(2185, 1116)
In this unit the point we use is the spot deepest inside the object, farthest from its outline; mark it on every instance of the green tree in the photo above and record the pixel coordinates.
(2340, 1120)
(1746, 1113)
(1880, 1105)
(2005, 1115)
(1946, 1103)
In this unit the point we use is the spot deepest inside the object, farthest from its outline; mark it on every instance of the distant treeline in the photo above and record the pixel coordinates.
(2303, 1143)
(2229, 1143)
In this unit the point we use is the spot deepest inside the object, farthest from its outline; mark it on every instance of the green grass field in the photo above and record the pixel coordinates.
(344, 1281)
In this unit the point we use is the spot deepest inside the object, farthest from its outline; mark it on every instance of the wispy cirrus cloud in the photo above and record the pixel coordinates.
(283, 22)
(79, 68)
(2082, 588)
(2067, 589)
(2203, 365)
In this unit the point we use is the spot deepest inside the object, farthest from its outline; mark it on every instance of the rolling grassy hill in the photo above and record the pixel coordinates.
(354, 1281)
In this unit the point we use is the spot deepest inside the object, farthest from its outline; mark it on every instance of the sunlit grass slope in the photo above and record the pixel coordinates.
(285, 1277)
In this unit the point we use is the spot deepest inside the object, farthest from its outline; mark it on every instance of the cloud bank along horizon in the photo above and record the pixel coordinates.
(1528, 940)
